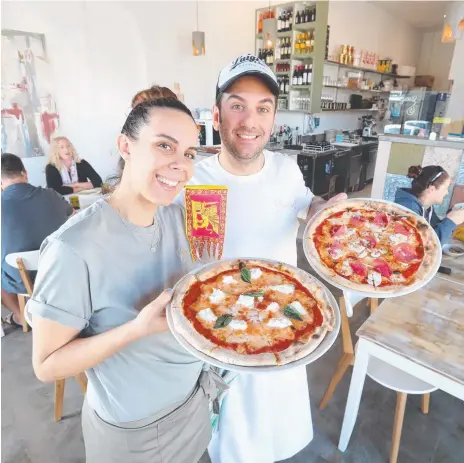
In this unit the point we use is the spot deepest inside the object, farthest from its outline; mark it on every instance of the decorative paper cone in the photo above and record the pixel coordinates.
(205, 219)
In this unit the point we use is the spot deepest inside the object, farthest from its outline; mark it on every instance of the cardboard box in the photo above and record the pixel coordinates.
(424, 81)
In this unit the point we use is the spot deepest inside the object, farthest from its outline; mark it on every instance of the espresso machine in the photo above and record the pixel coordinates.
(368, 124)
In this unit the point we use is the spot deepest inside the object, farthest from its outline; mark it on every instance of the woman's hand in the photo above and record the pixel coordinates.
(456, 215)
(152, 318)
(81, 186)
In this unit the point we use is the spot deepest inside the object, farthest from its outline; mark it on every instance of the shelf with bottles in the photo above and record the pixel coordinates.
(349, 110)
(299, 41)
(300, 87)
(355, 89)
(309, 56)
(284, 85)
(265, 13)
(361, 69)
(285, 18)
(267, 55)
(305, 15)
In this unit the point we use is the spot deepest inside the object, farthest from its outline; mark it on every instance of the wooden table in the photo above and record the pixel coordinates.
(421, 333)
(86, 197)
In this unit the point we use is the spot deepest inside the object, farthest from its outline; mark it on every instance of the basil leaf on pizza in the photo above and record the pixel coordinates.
(254, 294)
(290, 312)
(223, 321)
(241, 312)
(245, 274)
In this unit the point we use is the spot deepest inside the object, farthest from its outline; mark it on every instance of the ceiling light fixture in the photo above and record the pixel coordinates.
(198, 40)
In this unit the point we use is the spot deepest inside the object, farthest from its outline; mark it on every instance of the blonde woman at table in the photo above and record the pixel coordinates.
(66, 172)
(99, 306)
(429, 187)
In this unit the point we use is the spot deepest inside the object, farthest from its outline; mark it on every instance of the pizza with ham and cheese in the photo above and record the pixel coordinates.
(252, 312)
(372, 246)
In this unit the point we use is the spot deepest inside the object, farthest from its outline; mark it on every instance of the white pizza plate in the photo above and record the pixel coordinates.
(321, 349)
(374, 293)
(447, 250)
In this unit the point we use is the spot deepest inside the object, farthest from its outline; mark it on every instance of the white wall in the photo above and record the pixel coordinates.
(229, 29)
(365, 26)
(435, 59)
(98, 64)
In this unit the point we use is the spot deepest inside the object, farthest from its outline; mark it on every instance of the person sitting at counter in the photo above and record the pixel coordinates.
(66, 172)
(429, 187)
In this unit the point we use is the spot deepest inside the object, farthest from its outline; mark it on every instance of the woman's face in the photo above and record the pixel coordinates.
(160, 162)
(436, 195)
(64, 150)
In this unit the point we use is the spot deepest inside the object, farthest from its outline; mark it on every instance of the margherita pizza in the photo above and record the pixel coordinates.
(372, 246)
(252, 312)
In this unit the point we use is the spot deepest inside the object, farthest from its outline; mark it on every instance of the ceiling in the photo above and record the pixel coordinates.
(420, 14)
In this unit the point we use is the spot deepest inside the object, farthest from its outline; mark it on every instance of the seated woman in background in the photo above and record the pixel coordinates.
(430, 185)
(66, 172)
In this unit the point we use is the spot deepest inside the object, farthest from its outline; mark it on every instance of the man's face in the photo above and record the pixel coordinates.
(245, 119)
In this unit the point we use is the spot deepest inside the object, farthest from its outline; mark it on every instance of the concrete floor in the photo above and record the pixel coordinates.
(30, 435)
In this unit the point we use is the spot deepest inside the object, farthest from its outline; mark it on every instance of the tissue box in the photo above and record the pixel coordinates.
(424, 81)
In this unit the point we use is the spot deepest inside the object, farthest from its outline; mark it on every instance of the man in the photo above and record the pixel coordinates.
(29, 215)
(265, 417)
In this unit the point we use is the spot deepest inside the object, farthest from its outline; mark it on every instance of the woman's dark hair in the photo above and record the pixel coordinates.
(142, 104)
(423, 177)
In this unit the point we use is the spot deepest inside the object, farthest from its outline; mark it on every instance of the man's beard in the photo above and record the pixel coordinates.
(228, 140)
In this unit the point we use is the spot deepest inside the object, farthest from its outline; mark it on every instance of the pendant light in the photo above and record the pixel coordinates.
(453, 27)
(198, 40)
(268, 43)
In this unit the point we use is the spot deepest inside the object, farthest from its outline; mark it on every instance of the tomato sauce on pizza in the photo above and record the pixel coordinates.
(252, 311)
(369, 246)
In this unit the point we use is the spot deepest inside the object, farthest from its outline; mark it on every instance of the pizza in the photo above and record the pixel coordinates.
(252, 312)
(372, 246)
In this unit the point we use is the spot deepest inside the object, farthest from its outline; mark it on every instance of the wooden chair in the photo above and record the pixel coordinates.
(379, 371)
(29, 261)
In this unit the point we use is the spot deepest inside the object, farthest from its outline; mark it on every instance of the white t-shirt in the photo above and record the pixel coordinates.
(262, 209)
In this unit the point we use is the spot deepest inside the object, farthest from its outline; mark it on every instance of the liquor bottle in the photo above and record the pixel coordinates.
(295, 76)
(313, 15)
(310, 74)
(305, 75)
(260, 24)
(306, 15)
(300, 76)
(290, 27)
(287, 21)
(297, 18)
(285, 85)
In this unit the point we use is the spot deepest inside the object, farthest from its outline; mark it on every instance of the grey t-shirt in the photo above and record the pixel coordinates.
(29, 215)
(96, 273)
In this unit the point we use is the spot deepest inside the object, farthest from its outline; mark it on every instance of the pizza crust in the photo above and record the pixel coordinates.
(296, 351)
(432, 247)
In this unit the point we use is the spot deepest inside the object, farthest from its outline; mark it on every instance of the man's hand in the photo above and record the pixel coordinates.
(318, 203)
(336, 198)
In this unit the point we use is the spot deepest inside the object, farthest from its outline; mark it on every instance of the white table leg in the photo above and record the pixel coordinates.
(354, 395)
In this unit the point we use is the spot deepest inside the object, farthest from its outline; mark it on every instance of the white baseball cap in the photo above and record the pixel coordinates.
(247, 65)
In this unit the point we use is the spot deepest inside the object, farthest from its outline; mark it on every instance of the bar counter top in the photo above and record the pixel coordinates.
(422, 141)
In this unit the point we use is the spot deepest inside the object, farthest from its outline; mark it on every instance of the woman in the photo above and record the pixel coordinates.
(94, 306)
(66, 172)
(430, 185)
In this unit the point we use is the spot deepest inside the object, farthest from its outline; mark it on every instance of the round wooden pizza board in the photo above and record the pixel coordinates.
(323, 347)
(375, 292)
